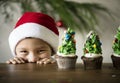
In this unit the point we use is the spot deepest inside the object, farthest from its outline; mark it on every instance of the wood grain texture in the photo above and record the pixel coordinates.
(34, 73)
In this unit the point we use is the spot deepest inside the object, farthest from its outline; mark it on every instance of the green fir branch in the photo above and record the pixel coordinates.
(73, 14)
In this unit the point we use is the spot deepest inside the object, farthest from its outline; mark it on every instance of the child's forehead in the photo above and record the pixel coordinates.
(33, 41)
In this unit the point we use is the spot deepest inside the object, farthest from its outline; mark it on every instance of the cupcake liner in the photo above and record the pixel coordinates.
(92, 63)
(66, 62)
(115, 61)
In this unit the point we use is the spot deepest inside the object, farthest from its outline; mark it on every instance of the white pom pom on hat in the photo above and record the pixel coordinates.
(37, 25)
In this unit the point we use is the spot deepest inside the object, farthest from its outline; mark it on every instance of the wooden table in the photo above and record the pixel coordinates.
(34, 73)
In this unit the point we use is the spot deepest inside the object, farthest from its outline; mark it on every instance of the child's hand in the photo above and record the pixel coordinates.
(46, 61)
(16, 60)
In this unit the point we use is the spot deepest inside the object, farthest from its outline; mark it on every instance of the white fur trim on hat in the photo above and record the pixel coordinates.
(32, 30)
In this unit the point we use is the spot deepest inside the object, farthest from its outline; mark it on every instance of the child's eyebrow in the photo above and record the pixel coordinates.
(21, 48)
(41, 47)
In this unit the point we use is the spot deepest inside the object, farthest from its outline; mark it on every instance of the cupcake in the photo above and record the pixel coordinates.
(116, 50)
(66, 55)
(92, 57)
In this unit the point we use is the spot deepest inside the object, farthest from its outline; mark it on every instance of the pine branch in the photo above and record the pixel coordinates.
(74, 15)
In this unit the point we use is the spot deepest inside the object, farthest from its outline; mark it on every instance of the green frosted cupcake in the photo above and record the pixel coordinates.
(116, 50)
(92, 57)
(66, 55)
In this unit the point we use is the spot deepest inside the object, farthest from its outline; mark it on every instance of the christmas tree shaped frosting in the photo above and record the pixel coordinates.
(116, 43)
(93, 44)
(68, 46)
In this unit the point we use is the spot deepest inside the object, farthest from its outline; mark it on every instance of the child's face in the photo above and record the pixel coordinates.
(32, 49)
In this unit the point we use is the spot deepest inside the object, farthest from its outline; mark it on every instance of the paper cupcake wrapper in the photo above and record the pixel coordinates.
(66, 62)
(92, 63)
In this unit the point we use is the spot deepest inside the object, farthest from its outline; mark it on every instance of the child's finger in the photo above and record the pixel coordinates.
(8, 62)
(53, 61)
(38, 62)
(50, 60)
(41, 61)
(13, 61)
(18, 60)
(47, 61)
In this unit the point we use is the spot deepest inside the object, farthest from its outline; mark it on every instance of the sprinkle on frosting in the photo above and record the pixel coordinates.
(68, 46)
(116, 43)
(93, 44)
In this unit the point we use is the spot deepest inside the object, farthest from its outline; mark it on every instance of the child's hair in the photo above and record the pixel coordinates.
(35, 25)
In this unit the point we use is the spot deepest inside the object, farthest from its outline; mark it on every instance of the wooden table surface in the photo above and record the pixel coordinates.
(34, 73)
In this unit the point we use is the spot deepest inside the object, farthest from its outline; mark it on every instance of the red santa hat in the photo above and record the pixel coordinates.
(37, 25)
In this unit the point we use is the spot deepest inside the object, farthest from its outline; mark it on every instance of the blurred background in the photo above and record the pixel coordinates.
(102, 16)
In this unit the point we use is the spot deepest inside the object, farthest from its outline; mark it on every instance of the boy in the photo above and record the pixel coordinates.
(34, 39)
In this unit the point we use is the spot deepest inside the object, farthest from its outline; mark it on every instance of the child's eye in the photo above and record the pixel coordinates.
(41, 51)
(23, 51)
